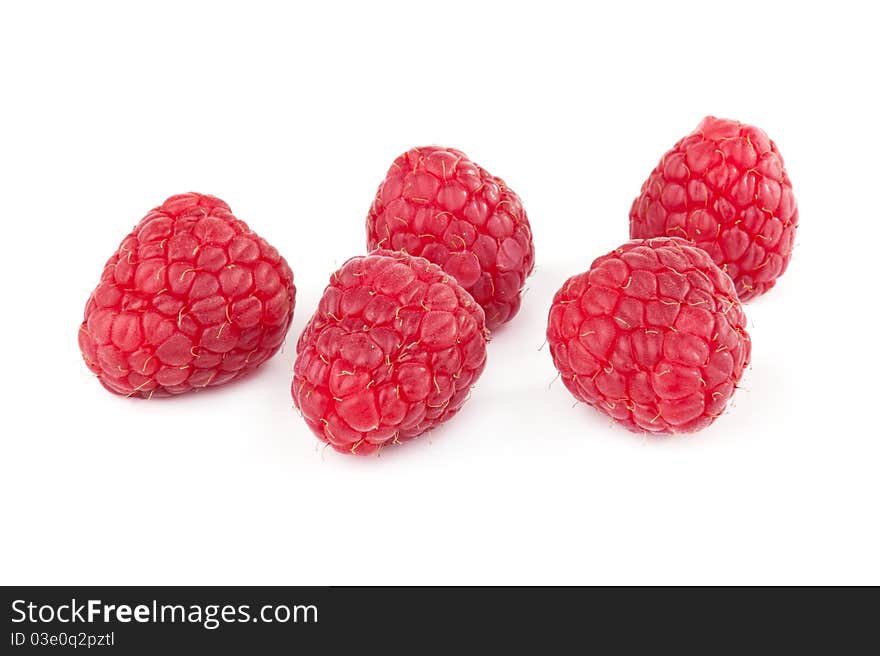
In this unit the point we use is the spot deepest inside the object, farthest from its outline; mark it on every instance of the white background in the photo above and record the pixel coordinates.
(293, 115)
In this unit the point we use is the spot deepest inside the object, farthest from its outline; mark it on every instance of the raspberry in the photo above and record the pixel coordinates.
(391, 352)
(653, 335)
(725, 188)
(436, 203)
(192, 298)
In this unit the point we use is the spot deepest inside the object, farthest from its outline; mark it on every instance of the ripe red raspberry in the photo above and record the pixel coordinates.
(725, 188)
(192, 298)
(652, 335)
(436, 203)
(391, 352)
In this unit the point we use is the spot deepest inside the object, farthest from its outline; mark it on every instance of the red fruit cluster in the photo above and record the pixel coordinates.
(652, 335)
(192, 298)
(725, 188)
(391, 352)
(437, 204)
